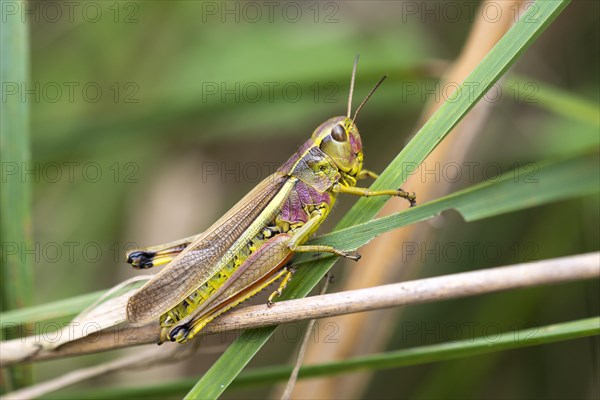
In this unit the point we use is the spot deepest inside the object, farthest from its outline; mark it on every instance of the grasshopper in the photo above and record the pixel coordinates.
(250, 247)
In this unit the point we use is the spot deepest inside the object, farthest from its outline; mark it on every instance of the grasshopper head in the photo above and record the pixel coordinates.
(338, 137)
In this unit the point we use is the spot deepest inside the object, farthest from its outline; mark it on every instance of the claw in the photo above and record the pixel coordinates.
(411, 198)
(354, 257)
(413, 201)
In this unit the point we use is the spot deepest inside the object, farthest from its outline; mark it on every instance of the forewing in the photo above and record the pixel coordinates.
(200, 260)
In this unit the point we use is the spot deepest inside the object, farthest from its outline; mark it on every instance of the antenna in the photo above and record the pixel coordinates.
(352, 86)
(368, 97)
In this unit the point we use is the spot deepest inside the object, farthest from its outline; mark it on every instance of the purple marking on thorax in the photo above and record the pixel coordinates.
(287, 166)
(293, 209)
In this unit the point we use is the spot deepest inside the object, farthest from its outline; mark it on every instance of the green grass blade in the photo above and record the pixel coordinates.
(554, 99)
(433, 353)
(501, 57)
(484, 76)
(15, 197)
(394, 359)
(50, 311)
(551, 182)
(14, 150)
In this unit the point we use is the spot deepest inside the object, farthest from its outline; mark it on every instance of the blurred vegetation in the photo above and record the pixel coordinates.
(15, 197)
(154, 131)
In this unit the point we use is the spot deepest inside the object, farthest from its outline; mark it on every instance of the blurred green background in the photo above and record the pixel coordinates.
(158, 117)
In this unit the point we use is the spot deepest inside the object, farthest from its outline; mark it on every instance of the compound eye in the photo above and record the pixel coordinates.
(338, 133)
